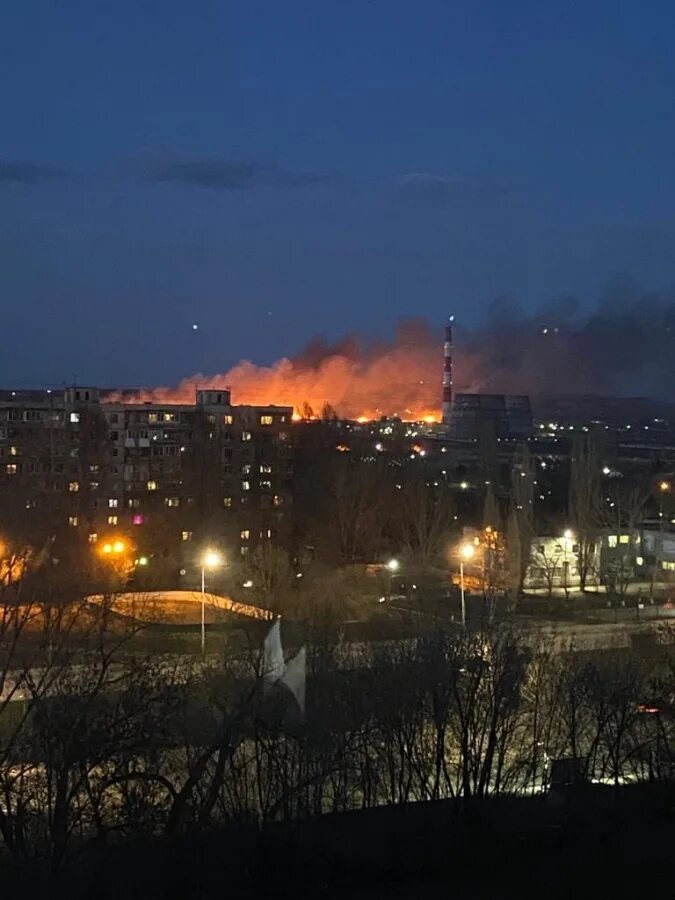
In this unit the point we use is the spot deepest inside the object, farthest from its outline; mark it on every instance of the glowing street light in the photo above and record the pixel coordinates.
(664, 487)
(211, 559)
(113, 548)
(392, 567)
(466, 552)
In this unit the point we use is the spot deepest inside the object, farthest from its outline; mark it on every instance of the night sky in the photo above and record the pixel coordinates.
(272, 170)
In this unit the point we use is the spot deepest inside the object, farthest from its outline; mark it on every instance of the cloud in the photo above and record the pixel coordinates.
(225, 175)
(429, 180)
(430, 186)
(22, 172)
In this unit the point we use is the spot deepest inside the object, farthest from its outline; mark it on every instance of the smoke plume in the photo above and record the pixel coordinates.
(625, 347)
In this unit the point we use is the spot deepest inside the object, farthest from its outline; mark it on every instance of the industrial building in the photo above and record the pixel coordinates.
(470, 417)
(169, 474)
(505, 417)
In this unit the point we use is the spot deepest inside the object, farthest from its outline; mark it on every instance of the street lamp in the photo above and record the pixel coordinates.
(466, 552)
(392, 567)
(210, 560)
(664, 487)
(113, 548)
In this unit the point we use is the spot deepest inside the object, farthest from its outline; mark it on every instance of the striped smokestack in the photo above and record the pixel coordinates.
(447, 372)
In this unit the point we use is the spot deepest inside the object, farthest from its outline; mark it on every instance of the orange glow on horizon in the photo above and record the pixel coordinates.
(356, 378)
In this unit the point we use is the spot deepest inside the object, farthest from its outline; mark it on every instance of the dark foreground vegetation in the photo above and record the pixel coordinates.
(446, 756)
(598, 841)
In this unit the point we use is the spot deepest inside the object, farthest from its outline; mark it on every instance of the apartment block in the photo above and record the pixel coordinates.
(166, 473)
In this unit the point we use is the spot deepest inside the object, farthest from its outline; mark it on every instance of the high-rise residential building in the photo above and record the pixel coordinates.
(170, 474)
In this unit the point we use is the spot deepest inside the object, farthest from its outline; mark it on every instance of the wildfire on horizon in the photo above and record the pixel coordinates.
(401, 378)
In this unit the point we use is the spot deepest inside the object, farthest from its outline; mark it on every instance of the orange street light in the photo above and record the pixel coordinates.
(115, 547)
(466, 552)
(211, 559)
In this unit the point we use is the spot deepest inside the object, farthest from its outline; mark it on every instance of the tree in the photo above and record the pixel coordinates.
(269, 568)
(584, 490)
(423, 514)
(491, 516)
(621, 509)
(521, 515)
(545, 559)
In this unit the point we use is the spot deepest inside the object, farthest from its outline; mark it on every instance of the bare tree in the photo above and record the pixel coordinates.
(583, 504)
(424, 515)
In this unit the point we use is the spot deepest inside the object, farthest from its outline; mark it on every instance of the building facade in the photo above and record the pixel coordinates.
(168, 475)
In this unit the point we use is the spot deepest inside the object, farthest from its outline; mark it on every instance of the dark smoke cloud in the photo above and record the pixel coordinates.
(227, 175)
(625, 347)
(22, 172)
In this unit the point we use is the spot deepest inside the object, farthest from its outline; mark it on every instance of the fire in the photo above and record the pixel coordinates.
(353, 379)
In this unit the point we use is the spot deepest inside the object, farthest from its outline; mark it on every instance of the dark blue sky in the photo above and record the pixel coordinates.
(271, 170)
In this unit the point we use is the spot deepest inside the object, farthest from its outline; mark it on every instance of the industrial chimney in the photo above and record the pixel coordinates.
(447, 372)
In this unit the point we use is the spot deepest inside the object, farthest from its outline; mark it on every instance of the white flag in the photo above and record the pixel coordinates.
(294, 678)
(273, 655)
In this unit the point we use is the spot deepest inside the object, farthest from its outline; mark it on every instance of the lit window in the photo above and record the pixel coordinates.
(73, 486)
(186, 535)
(152, 417)
(639, 561)
(227, 420)
(669, 566)
(245, 534)
(93, 485)
(133, 502)
(10, 468)
(172, 501)
(169, 417)
(227, 502)
(246, 435)
(243, 550)
(246, 485)
(611, 540)
(265, 470)
(137, 519)
(278, 500)
(624, 539)
(246, 469)
(72, 520)
(93, 537)
(112, 520)
(74, 417)
(113, 502)
(152, 485)
(266, 420)
(265, 483)
(13, 451)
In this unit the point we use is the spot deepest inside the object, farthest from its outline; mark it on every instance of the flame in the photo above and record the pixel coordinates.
(354, 378)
